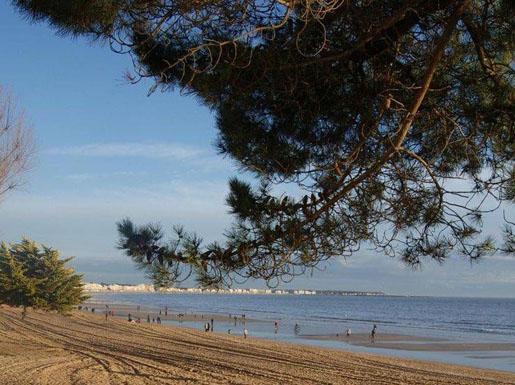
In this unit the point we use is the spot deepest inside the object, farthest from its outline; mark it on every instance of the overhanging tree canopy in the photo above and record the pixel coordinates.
(394, 119)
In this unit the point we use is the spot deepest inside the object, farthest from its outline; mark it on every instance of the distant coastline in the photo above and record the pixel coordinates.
(92, 287)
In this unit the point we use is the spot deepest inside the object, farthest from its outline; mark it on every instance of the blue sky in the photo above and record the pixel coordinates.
(105, 150)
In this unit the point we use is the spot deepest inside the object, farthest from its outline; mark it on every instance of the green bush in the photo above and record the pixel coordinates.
(33, 275)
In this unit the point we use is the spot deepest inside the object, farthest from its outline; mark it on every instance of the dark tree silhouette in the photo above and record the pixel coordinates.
(393, 119)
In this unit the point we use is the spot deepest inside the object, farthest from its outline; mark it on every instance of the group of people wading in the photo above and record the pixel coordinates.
(209, 325)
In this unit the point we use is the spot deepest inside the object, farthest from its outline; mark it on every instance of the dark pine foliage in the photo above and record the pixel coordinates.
(393, 119)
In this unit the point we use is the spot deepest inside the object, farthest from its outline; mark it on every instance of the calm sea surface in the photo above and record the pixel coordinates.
(455, 319)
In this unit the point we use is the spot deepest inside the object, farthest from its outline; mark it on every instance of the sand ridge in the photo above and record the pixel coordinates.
(83, 348)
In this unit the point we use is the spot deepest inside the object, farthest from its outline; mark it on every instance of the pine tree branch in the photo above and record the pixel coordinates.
(407, 122)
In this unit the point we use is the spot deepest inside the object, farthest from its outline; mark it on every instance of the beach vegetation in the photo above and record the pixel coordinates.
(33, 275)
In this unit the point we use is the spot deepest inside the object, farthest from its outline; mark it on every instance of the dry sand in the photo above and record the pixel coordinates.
(85, 349)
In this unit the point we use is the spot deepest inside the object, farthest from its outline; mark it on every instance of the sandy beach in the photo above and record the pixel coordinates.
(85, 349)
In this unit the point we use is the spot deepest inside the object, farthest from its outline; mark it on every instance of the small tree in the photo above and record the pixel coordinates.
(33, 275)
(15, 144)
(16, 288)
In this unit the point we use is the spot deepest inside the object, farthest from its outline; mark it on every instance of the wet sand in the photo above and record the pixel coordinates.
(414, 343)
(382, 340)
(83, 348)
(122, 311)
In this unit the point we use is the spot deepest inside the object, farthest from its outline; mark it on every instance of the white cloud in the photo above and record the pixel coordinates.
(176, 151)
(196, 159)
(82, 177)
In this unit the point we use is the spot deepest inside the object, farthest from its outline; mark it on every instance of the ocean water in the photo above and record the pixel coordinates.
(470, 320)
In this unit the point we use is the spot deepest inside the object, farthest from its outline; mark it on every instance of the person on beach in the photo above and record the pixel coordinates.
(348, 332)
(212, 324)
(245, 333)
(235, 320)
(129, 318)
(107, 314)
(166, 310)
(138, 321)
(159, 320)
(148, 318)
(373, 333)
(296, 329)
(229, 331)
(276, 327)
(206, 327)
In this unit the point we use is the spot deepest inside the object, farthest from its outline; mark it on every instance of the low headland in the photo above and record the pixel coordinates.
(92, 287)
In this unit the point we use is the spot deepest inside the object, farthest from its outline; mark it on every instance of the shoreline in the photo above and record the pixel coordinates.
(415, 343)
(389, 341)
(84, 348)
